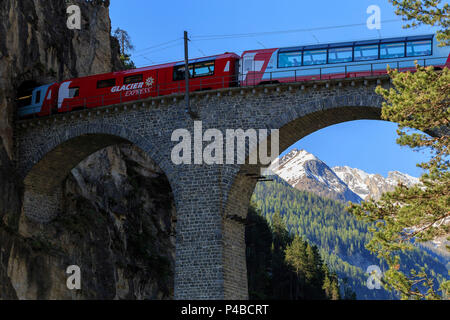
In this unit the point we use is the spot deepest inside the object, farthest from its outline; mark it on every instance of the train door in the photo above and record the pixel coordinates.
(250, 68)
(254, 65)
(66, 93)
(49, 104)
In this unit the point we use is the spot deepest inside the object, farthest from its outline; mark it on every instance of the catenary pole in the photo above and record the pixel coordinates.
(186, 77)
(186, 72)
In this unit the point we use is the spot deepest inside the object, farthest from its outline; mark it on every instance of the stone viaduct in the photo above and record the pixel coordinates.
(211, 200)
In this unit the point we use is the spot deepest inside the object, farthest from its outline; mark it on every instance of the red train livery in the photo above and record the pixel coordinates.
(255, 67)
(207, 73)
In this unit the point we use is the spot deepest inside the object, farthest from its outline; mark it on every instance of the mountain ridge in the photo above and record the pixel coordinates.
(305, 171)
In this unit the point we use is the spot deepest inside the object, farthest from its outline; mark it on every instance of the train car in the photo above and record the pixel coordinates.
(340, 60)
(207, 73)
(39, 102)
(254, 67)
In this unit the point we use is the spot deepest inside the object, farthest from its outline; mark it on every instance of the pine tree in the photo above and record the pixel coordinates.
(418, 100)
(429, 12)
(331, 284)
(125, 46)
(296, 255)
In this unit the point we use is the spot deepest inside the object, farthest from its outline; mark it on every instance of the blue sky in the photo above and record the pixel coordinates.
(156, 30)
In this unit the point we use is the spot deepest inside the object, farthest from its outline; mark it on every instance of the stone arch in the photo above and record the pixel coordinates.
(53, 161)
(291, 129)
(293, 126)
(307, 118)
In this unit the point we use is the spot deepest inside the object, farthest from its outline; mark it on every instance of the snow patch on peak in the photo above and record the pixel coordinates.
(370, 185)
(299, 155)
(406, 179)
(305, 171)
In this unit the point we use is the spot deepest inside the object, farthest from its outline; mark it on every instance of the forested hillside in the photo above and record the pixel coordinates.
(281, 266)
(339, 237)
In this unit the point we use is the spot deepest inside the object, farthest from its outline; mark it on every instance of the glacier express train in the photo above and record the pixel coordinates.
(254, 67)
(206, 73)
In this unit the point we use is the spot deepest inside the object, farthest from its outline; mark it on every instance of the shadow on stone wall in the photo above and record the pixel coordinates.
(117, 225)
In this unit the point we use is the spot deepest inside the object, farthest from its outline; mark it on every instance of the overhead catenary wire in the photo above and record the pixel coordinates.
(315, 38)
(253, 34)
(261, 44)
(158, 45)
(156, 50)
(198, 49)
(196, 38)
(166, 60)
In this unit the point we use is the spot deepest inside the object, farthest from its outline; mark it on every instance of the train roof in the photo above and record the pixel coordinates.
(350, 43)
(159, 66)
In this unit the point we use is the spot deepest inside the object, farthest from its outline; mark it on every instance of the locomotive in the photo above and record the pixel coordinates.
(253, 67)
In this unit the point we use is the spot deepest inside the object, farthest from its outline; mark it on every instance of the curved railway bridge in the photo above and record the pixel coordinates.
(211, 200)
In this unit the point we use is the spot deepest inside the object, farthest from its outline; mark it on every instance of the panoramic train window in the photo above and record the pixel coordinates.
(133, 79)
(106, 83)
(312, 57)
(392, 50)
(202, 69)
(289, 59)
(74, 92)
(178, 72)
(418, 48)
(337, 55)
(363, 53)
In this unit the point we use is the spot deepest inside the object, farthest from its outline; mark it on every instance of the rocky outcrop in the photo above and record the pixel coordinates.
(118, 219)
(117, 226)
(36, 47)
(9, 219)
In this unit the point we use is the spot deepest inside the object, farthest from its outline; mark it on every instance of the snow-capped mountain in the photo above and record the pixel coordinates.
(368, 185)
(304, 171)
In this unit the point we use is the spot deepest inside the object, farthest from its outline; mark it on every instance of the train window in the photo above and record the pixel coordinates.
(37, 99)
(312, 57)
(178, 72)
(338, 55)
(418, 48)
(74, 92)
(133, 79)
(392, 50)
(106, 83)
(202, 69)
(289, 59)
(369, 52)
(247, 65)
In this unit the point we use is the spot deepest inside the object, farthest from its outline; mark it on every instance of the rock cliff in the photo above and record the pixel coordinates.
(118, 222)
(118, 226)
(36, 47)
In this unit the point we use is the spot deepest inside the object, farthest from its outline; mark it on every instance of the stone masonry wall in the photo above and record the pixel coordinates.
(211, 200)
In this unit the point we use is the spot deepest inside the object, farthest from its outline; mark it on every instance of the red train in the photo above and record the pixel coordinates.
(255, 67)
(206, 73)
